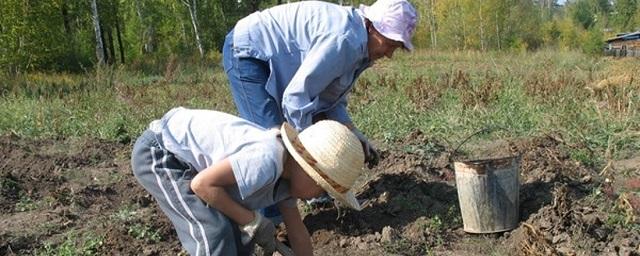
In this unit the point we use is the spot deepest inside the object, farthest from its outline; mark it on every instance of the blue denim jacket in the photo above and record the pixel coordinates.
(315, 51)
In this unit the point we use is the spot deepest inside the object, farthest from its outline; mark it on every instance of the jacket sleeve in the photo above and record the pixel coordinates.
(326, 61)
(339, 112)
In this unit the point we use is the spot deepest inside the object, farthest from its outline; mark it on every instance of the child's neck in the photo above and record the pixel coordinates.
(287, 165)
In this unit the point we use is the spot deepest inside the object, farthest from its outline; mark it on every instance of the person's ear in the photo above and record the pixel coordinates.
(368, 24)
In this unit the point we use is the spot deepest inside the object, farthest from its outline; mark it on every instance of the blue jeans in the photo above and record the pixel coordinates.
(248, 77)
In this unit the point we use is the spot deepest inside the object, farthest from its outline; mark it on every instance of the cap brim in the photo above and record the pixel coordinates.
(288, 135)
(408, 46)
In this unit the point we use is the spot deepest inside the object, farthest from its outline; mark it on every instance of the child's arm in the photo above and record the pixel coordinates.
(296, 230)
(209, 186)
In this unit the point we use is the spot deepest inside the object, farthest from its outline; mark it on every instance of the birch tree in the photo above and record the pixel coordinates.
(192, 6)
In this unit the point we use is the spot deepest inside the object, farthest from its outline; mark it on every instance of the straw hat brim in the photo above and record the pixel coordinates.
(288, 136)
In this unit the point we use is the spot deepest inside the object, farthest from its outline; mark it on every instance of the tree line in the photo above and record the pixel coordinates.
(67, 35)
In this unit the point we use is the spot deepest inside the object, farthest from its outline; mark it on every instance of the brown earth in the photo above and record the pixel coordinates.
(80, 194)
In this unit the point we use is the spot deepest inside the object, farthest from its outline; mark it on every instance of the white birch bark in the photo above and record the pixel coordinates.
(192, 5)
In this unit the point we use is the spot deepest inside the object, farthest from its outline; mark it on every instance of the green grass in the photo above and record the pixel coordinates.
(527, 94)
(25, 203)
(110, 104)
(445, 95)
(87, 244)
(127, 216)
(144, 232)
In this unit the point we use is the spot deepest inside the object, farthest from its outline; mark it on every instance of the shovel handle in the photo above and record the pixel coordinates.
(283, 249)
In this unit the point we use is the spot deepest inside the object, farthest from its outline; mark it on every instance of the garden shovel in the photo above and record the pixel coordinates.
(283, 249)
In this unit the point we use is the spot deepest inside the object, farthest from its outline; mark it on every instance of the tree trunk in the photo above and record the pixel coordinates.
(105, 47)
(192, 5)
(120, 46)
(498, 32)
(98, 32)
(482, 46)
(148, 35)
(69, 33)
(143, 30)
(65, 18)
(432, 24)
(464, 27)
(118, 34)
(112, 51)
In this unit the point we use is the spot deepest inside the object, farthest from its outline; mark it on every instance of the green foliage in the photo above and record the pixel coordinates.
(593, 41)
(583, 13)
(25, 203)
(144, 232)
(584, 156)
(9, 186)
(74, 244)
(569, 34)
(34, 35)
(126, 214)
(621, 214)
(550, 32)
(625, 11)
(59, 35)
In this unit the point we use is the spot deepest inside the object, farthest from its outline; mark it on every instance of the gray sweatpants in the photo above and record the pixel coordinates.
(202, 230)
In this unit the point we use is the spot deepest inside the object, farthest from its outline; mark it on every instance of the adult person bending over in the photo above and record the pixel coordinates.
(297, 62)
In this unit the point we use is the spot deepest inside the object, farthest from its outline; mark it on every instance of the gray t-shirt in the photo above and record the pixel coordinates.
(202, 138)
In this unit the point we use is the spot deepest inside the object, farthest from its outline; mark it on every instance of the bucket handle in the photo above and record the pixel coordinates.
(484, 130)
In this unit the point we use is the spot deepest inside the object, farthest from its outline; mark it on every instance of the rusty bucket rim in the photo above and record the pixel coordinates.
(481, 161)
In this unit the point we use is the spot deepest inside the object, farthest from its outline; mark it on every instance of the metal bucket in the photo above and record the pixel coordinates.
(489, 194)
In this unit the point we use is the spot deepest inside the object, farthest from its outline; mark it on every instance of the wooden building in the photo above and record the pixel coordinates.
(623, 45)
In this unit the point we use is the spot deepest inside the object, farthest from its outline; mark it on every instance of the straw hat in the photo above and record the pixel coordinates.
(330, 154)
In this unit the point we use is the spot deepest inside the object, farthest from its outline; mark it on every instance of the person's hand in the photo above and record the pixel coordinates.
(262, 231)
(371, 155)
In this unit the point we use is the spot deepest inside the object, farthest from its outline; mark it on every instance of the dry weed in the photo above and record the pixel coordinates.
(388, 81)
(535, 244)
(170, 68)
(617, 94)
(537, 240)
(424, 94)
(543, 86)
(363, 92)
(610, 82)
(479, 93)
(630, 205)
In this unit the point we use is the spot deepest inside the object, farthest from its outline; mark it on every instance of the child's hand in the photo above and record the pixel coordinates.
(262, 231)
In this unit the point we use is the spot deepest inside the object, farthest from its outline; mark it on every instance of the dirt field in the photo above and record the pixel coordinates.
(81, 195)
